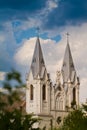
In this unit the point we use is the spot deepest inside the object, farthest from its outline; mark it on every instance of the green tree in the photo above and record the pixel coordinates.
(11, 115)
(76, 120)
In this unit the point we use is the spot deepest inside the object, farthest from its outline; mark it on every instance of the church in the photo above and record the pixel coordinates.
(51, 103)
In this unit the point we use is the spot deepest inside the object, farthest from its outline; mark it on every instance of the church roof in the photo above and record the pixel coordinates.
(68, 69)
(38, 65)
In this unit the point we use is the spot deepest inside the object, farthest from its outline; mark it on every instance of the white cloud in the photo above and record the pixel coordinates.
(2, 75)
(2, 38)
(24, 53)
(30, 23)
(54, 53)
(52, 4)
(36, 21)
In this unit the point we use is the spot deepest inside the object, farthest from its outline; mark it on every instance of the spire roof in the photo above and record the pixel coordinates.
(38, 65)
(68, 69)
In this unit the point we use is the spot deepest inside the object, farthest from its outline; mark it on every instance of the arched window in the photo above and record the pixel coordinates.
(74, 95)
(31, 92)
(58, 102)
(44, 92)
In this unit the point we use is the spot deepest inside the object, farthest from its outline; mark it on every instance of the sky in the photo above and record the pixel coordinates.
(19, 20)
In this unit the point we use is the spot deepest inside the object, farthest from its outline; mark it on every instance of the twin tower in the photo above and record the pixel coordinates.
(48, 101)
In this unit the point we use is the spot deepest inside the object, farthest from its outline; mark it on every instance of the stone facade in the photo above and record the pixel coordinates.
(51, 102)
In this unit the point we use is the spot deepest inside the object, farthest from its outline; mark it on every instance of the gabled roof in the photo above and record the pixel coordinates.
(68, 69)
(38, 65)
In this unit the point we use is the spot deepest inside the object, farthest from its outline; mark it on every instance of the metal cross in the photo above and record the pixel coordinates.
(38, 31)
(67, 37)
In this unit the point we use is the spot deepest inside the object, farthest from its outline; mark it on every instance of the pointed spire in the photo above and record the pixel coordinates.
(68, 69)
(38, 64)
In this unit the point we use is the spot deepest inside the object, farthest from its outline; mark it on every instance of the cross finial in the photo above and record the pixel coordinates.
(67, 37)
(38, 31)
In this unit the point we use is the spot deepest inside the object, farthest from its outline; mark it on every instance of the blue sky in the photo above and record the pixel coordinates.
(19, 20)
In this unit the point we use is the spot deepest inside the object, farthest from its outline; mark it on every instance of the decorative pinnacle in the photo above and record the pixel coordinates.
(67, 37)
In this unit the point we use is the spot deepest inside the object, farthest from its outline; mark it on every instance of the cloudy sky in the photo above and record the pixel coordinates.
(19, 20)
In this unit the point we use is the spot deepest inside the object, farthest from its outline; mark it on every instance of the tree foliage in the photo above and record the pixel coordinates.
(11, 115)
(76, 120)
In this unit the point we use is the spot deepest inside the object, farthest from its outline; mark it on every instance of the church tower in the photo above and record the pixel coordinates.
(51, 102)
(38, 84)
(70, 80)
